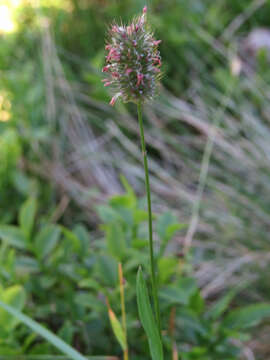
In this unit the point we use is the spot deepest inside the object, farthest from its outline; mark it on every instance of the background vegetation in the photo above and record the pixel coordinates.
(63, 229)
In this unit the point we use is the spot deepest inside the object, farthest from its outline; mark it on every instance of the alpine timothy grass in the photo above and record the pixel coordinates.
(133, 67)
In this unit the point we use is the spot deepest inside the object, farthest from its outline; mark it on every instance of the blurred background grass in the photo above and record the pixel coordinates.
(60, 140)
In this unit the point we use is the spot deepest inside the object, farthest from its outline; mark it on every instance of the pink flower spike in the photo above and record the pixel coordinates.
(129, 30)
(105, 80)
(115, 28)
(106, 68)
(140, 79)
(128, 71)
(132, 60)
(114, 98)
(157, 61)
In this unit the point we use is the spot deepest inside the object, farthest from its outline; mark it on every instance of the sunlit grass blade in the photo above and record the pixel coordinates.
(117, 328)
(46, 334)
(123, 307)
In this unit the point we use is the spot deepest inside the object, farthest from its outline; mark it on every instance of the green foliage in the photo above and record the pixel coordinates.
(27, 217)
(67, 275)
(10, 151)
(10, 311)
(15, 297)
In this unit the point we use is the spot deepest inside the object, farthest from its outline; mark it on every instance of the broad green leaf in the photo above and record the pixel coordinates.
(116, 242)
(124, 201)
(147, 318)
(46, 240)
(27, 264)
(83, 235)
(166, 268)
(129, 190)
(140, 216)
(13, 236)
(173, 228)
(117, 329)
(67, 331)
(27, 217)
(126, 216)
(247, 316)
(107, 270)
(163, 222)
(197, 303)
(13, 296)
(88, 283)
(189, 319)
(179, 293)
(222, 305)
(139, 243)
(90, 301)
(166, 227)
(72, 238)
(107, 214)
(46, 334)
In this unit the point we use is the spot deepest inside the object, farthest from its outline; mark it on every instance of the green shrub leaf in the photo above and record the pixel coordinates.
(248, 316)
(12, 235)
(27, 217)
(47, 239)
(116, 242)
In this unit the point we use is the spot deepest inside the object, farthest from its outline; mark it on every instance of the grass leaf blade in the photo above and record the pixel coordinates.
(147, 318)
(49, 336)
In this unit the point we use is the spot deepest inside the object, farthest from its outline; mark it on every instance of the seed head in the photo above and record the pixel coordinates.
(133, 61)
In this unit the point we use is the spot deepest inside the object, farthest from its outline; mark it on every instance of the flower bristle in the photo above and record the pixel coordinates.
(133, 61)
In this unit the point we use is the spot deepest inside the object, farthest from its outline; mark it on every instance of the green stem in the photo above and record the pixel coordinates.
(148, 193)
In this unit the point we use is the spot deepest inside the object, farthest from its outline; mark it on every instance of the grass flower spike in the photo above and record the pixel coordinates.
(133, 61)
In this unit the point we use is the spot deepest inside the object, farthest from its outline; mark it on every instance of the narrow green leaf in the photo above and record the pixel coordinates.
(147, 318)
(247, 316)
(27, 216)
(117, 329)
(46, 334)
